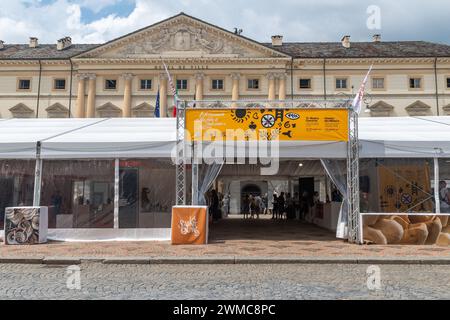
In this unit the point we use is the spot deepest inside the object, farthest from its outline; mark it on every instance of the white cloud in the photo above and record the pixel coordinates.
(297, 20)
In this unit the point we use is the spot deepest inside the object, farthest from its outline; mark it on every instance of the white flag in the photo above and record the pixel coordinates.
(357, 102)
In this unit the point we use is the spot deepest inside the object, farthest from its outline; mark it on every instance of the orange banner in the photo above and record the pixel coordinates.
(189, 225)
(267, 124)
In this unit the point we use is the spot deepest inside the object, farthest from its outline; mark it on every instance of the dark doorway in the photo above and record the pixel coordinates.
(251, 190)
(306, 188)
(129, 198)
(6, 197)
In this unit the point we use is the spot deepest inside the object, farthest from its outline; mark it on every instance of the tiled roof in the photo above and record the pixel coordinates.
(43, 51)
(398, 49)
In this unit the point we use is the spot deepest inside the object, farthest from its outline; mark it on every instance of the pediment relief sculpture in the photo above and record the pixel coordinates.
(183, 38)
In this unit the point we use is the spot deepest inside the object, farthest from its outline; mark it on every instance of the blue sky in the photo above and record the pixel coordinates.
(97, 21)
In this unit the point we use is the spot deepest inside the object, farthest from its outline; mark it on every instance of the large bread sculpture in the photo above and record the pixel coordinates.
(412, 230)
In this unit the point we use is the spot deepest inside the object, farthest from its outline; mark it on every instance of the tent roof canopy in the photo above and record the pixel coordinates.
(414, 137)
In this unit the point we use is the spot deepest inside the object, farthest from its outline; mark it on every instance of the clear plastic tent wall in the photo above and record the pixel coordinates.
(96, 201)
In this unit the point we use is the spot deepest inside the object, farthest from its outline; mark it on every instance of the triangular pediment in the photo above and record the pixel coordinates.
(447, 109)
(57, 108)
(381, 109)
(109, 107)
(21, 108)
(418, 106)
(182, 36)
(381, 106)
(144, 107)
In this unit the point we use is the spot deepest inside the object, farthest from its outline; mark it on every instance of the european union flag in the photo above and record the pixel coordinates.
(157, 107)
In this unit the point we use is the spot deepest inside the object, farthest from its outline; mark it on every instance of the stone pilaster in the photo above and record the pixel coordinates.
(127, 94)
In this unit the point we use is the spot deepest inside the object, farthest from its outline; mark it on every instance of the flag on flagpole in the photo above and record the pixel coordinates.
(195, 95)
(357, 102)
(175, 99)
(173, 89)
(158, 105)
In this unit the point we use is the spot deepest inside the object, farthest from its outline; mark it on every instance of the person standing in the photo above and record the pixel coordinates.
(57, 202)
(281, 206)
(275, 206)
(290, 211)
(226, 205)
(297, 205)
(258, 206)
(265, 204)
(246, 206)
(444, 197)
(215, 205)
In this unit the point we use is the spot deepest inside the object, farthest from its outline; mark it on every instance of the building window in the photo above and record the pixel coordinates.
(59, 84)
(305, 83)
(448, 83)
(146, 84)
(24, 84)
(341, 83)
(217, 84)
(378, 83)
(253, 84)
(415, 83)
(182, 84)
(110, 84)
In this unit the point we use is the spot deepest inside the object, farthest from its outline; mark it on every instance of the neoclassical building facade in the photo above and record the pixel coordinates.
(121, 78)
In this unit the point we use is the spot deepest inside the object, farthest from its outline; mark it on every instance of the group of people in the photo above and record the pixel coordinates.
(254, 206)
(284, 206)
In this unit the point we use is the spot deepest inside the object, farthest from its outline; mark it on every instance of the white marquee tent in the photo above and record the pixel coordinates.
(403, 137)
(410, 137)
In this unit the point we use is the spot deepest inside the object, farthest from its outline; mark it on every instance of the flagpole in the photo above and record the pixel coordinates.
(357, 101)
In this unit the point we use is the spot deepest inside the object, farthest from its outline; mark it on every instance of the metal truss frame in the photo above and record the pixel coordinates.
(354, 215)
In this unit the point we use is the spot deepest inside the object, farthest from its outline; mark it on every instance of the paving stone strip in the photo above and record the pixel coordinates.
(230, 260)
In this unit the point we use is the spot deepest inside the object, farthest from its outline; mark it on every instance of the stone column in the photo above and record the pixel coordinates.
(272, 89)
(199, 86)
(81, 97)
(235, 89)
(282, 86)
(128, 78)
(163, 95)
(90, 113)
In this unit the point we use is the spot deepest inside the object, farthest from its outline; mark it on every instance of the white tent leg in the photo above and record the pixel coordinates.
(37, 177)
(116, 192)
(437, 197)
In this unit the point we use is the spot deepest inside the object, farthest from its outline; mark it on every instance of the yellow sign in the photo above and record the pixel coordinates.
(267, 124)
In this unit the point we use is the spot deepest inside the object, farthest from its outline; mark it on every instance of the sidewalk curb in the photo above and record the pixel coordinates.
(61, 261)
(226, 260)
(193, 260)
(22, 260)
(125, 261)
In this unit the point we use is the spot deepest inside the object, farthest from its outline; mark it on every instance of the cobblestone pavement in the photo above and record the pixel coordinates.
(235, 237)
(224, 282)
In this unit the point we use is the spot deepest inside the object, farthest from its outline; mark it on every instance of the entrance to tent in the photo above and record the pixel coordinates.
(294, 205)
(317, 168)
